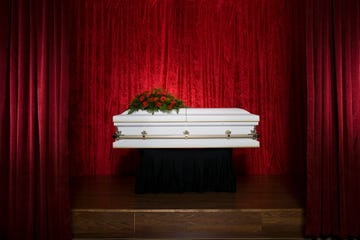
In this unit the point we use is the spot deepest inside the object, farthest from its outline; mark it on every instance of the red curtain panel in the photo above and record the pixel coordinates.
(34, 118)
(248, 54)
(333, 118)
(4, 120)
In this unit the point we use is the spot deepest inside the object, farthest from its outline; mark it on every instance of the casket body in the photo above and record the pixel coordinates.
(189, 128)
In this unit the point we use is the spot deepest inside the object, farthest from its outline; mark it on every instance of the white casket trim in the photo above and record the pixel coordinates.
(190, 128)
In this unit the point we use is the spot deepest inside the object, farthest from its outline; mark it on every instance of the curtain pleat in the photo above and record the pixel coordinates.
(34, 121)
(333, 148)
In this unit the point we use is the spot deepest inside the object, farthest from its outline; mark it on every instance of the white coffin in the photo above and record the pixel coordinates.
(190, 128)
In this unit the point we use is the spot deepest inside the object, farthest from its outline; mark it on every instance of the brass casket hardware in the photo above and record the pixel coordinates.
(186, 133)
(228, 133)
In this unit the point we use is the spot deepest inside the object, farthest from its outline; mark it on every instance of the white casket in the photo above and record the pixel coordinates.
(190, 128)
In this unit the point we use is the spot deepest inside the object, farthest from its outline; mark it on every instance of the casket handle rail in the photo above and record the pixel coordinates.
(186, 135)
(228, 133)
(117, 135)
(144, 134)
(254, 134)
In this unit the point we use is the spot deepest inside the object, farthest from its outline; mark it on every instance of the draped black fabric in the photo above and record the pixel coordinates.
(185, 170)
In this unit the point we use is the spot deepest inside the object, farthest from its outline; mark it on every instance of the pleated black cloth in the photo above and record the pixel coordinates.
(185, 170)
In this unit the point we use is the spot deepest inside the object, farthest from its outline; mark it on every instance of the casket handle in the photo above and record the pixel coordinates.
(186, 133)
(144, 133)
(228, 133)
(117, 135)
(254, 134)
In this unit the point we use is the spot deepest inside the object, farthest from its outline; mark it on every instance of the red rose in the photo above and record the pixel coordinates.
(171, 105)
(162, 98)
(142, 98)
(145, 104)
(158, 104)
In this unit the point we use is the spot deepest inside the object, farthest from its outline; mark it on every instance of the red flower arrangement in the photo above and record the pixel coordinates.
(155, 100)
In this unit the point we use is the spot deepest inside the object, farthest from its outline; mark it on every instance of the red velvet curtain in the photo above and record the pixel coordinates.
(4, 146)
(34, 107)
(215, 53)
(333, 122)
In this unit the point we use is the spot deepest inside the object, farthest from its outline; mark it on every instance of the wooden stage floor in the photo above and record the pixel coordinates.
(263, 207)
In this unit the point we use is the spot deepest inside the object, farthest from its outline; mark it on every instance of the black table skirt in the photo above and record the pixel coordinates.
(185, 170)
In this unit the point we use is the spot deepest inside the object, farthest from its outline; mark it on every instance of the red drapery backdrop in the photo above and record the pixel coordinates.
(217, 53)
(333, 122)
(34, 194)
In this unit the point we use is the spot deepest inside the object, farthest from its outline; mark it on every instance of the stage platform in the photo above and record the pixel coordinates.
(263, 207)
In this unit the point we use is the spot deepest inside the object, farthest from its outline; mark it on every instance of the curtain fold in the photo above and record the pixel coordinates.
(4, 110)
(333, 122)
(34, 120)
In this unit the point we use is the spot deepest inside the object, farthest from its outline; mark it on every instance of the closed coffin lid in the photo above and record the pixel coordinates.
(220, 115)
(190, 115)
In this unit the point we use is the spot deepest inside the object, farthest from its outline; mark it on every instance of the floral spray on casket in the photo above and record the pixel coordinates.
(154, 101)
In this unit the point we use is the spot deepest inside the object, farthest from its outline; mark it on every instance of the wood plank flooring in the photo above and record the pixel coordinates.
(262, 207)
